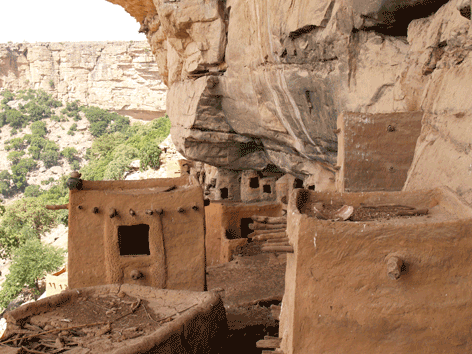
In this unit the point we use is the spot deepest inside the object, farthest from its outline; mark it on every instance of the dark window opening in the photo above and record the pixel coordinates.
(206, 202)
(312, 187)
(266, 188)
(254, 182)
(297, 183)
(244, 226)
(134, 240)
(224, 193)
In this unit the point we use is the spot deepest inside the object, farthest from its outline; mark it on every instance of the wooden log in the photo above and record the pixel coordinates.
(57, 207)
(412, 212)
(271, 343)
(285, 249)
(275, 244)
(281, 239)
(266, 237)
(270, 219)
(275, 310)
(261, 226)
(263, 232)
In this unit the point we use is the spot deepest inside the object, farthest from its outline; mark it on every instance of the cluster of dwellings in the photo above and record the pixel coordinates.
(396, 285)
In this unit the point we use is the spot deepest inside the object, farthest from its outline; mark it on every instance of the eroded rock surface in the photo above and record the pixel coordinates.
(121, 76)
(258, 82)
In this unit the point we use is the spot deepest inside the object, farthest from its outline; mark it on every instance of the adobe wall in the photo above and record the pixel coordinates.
(176, 258)
(338, 297)
(375, 151)
(221, 217)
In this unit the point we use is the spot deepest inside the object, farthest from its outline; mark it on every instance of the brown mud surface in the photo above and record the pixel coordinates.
(95, 322)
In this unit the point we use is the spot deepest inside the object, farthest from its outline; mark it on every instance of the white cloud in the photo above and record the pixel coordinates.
(65, 20)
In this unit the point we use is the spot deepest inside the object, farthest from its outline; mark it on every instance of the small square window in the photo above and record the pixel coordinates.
(134, 240)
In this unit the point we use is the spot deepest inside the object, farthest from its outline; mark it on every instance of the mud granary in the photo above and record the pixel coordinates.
(147, 232)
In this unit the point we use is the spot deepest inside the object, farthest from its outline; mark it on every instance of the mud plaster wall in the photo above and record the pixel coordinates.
(375, 151)
(221, 217)
(339, 298)
(176, 239)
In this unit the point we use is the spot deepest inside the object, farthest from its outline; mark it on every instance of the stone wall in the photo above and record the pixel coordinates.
(121, 76)
(254, 82)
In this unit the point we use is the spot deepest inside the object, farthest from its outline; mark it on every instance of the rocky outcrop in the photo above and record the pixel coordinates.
(254, 83)
(121, 76)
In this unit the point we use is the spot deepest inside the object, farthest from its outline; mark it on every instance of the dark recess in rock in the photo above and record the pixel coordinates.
(394, 17)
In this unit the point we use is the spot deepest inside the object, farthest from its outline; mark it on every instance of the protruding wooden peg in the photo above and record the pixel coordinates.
(181, 210)
(149, 212)
(195, 207)
(80, 207)
(132, 212)
(112, 213)
(394, 267)
(159, 211)
(95, 210)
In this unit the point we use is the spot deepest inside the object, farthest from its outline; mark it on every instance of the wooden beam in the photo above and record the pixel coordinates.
(266, 237)
(57, 207)
(271, 343)
(270, 219)
(284, 249)
(261, 226)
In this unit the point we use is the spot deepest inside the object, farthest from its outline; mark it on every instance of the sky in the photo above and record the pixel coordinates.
(65, 21)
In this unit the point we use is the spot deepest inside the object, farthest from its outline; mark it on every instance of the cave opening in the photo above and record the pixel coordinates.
(134, 240)
(394, 17)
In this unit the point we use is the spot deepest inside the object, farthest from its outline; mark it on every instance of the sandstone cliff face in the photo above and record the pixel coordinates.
(120, 76)
(259, 82)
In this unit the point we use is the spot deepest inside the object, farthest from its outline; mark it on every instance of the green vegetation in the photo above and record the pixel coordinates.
(30, 263)
(24, 222)
(112, 153)
(103, 122)
(71, 155)
(72, 129)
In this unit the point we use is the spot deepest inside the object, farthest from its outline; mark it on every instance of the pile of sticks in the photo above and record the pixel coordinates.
(272, 231)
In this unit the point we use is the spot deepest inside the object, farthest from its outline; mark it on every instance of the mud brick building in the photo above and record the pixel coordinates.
(147, 232)
(398, 285)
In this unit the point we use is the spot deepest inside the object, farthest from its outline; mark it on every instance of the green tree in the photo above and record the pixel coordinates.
(5, 183)
(15, 118)
(39, 128)
(33, 191)
(7, 96)
(20, 170)
(24, 219)
(122, 157)
(149, 156)
(71, 154)
(30, 262)
(37, 143)
(50, 154)
(72, 129)
(15, 144)
(15, 156)
(37, 112)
